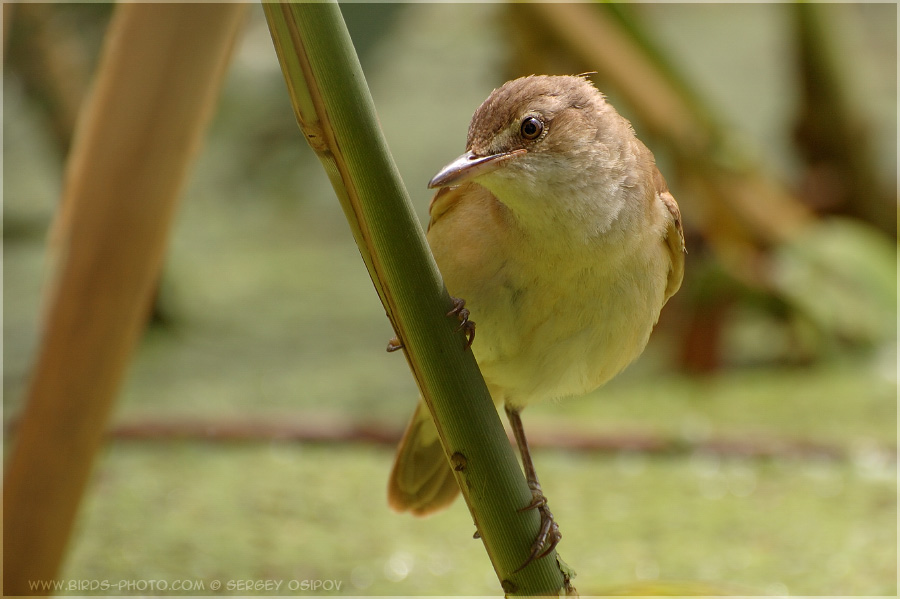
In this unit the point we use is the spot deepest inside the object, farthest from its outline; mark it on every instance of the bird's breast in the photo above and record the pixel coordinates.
(552, 319)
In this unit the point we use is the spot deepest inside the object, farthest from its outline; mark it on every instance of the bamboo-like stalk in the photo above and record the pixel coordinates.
(335, 111)
(158, 79)
(831, 135)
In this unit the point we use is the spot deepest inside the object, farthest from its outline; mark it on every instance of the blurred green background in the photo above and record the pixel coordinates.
(751, 449)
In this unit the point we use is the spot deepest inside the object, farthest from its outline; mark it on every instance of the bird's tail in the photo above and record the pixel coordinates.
(421, 481)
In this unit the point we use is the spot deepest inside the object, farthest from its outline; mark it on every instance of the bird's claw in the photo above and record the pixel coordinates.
(460, 311)
(549, 536)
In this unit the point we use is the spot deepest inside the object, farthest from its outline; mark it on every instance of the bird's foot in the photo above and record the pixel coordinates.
(460, 311)
(549, 536)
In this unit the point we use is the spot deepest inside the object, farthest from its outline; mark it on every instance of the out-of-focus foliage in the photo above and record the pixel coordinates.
(841, 276)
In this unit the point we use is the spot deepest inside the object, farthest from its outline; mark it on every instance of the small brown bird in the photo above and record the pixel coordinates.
(558, 230)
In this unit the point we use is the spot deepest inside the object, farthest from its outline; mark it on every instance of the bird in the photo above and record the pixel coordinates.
(560, 237)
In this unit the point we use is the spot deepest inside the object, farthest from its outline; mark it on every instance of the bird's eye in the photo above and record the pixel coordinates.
(531, 128)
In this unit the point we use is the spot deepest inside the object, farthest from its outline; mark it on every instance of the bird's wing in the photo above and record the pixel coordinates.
(447, 198)
(674, 236)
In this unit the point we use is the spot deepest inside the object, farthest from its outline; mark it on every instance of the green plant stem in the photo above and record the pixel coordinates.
(335, 111)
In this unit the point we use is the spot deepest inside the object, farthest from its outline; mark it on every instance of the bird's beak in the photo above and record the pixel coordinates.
(469, 166)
